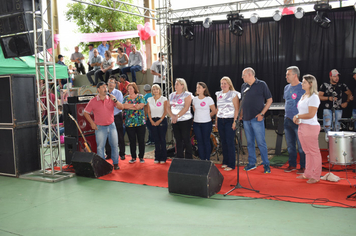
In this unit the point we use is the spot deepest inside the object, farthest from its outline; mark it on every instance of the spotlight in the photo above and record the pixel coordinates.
(187, 29)
(299, 13)
(277, 15)
(254, 18)
(207, 23)
(321, 17)
(235, 23)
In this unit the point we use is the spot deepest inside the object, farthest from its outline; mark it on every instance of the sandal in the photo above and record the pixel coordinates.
(301, 177)
(312, 181)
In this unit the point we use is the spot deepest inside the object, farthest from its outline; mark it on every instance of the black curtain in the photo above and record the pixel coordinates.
(269, 47)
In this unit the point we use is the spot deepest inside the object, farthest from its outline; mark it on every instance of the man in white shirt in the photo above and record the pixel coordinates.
(158, 72)
(136, 63)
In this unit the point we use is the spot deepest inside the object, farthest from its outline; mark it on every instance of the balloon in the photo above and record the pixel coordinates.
(145, 32)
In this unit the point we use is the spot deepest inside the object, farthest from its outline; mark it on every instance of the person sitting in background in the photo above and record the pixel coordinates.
(105, 68)
(121, 60)
(127, 46)
(135, 121)
(309, 129)
(95, 62)
(123, 83)
(61, 82)
(91, 55)
(204, 109)
(136, 63)
(157, 111)
(78, 58)
(147, 89)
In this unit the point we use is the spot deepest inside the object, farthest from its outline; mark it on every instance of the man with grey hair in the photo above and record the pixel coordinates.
(136, 63)
(257, 100)
(78, 58)
(292, 93)
(95, 62)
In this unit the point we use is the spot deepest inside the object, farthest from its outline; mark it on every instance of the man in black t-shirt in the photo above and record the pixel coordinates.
(332, 96)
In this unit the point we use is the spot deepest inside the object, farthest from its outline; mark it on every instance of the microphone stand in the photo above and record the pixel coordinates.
(238, 185)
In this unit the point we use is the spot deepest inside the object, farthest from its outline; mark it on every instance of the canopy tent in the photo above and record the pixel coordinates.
(27, 65)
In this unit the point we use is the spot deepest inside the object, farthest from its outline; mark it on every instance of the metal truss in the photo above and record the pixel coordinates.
(123, 7)
(51, 155)
(238, 6)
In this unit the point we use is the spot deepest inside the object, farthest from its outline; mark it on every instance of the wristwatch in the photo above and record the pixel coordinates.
(115, 101)
(262, 114)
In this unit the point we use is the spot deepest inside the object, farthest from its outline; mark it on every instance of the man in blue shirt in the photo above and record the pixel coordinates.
(117, 119)
(104, 47)
(253, 111)
(292, 94)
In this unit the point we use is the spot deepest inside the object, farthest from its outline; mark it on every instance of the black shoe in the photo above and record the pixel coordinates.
(122, 157)
(116, 167)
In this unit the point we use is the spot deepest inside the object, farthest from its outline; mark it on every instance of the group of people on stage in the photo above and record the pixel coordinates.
(301, 124)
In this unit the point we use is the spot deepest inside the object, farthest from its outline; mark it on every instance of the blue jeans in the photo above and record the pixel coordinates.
(149, 128)
(202, 133)
(227, 137)
(291, 132)
(107, 132)
(354, 116)
(133, 70)
(159, 134)
(255, 129)
(328, 120)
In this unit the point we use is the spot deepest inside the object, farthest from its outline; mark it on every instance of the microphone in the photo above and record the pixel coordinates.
(107, 93)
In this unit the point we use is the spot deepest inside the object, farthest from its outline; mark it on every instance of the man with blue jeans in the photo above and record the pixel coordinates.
(332, 96)
(102, 106)
(136, 63)
(253, 111)
(292, 94)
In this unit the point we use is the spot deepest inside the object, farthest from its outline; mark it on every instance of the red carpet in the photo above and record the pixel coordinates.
(278, 185)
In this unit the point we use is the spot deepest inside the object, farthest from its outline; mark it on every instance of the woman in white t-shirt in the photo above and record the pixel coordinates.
(309, 129)
(204, 109)
(105, 68)
(157, 111)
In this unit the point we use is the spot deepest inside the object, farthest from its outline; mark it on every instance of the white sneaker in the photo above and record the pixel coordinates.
(156, 162)
(223, 166)
(326, 138)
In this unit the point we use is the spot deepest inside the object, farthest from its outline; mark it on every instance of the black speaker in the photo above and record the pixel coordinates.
(73, 144)
(194, 177)
(14, 6)
(89, 164)
(19, 150)
(16, 23)
(77, 111)
(18, 100)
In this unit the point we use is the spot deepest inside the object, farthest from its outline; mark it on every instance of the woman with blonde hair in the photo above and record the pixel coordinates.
(309, 129)
(178, 108)
(227, 110)
(157, 111)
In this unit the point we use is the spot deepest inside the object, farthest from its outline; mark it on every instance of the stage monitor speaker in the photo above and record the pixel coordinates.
(194, 177)
(89, 164)
(77, 111)
(73, 144)
(14, 6)
(18, 100)
(18, 23)
(19, 150)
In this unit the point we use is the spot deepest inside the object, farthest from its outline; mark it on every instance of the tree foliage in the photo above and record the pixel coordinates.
(92, 19)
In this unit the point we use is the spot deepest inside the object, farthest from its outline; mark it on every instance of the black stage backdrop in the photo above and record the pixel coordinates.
(269, 47)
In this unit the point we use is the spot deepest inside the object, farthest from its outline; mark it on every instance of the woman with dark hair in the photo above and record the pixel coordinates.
(309, 129)
(122, 61)
(105, 68)
(178, 108)
(135, 121)
(204, 109)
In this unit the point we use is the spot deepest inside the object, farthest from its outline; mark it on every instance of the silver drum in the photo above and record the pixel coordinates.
(342, 148)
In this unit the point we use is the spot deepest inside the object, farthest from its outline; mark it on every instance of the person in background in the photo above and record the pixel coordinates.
(127, 46)
(158, 72)
(78, 58)
(91, 55)
(309, 129)
(105, 68)
(117, 119)
(134, 104)
(121, 60)
(292, 93)
(178, 108)
(61, 82)
(95, 62)
(228, 103)
(103, 47)
(148, 94)
(331, 96)
(123, 83)
(157, 111)
(136, 63)
(204, 109)
(257, 101)
(102, 106)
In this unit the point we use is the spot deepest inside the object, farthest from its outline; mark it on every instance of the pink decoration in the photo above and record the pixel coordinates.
(96, 37)
(145, 32)
(62, 139)
(202, 104)
(288, 11)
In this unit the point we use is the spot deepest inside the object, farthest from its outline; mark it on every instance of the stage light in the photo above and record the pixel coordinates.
(187, 29)
(277, 15)
(299, 13)
(207, 23)
(321, 17)
(254, 18)
(235, 23)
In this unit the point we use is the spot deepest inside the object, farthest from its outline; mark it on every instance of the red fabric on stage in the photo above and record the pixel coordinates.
(278, 185)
